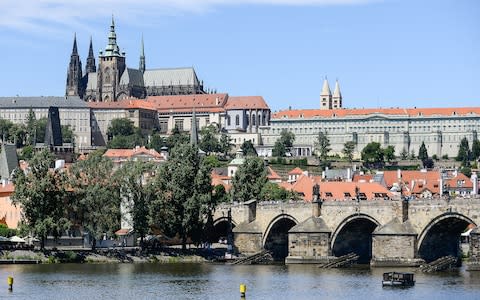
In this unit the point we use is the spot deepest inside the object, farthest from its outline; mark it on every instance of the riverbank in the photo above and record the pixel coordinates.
(108, 256)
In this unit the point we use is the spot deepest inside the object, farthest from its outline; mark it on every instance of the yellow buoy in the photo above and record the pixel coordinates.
(243, 289)
(10, 282)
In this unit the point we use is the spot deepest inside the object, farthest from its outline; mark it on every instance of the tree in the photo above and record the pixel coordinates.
(43, 197)
(404, 154)
(220, 194)
(279, 149)
(225, 144)
(389, 153)
(182, 194)
(67, 134)
(322, 147)
(428, 163)
(135, 192)
(272, 191)
(30, 127)
(5, 126)
(157, 142)
(211, 161)
(476, 149)
(348, 149)
(17, 134)
(177, 138)
(249, 179)
(372, 154)
(121, 126)
(208, 139)
(287, 138)
(248, 149)
(422, 152)
(464, 152)
(96, 202)
(125, 142)
(41, 127)
(467, 171)
(412, 154)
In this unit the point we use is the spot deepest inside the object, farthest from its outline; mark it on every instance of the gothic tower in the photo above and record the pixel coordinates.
(90, 67)
(337, 96)
(141, 66)
(325, 96)
(74, 73)
(110, 69)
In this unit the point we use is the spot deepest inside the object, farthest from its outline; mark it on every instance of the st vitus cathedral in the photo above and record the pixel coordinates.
(113, 80)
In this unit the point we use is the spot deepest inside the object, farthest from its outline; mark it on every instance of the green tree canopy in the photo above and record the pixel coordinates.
(249, 179)
(348, 149)
(225, 144)
(322, 148)
(476, 149)
(272, 191)
(43, 197)
(177, 138)
(404, 154)
(208, 139)
(464, 152)
(279, 149)
(248, 149)
(422, 152)
(97, 196)
(373, 154)
(157, 142)
(389, 153)
(121, 126)
(41, 127)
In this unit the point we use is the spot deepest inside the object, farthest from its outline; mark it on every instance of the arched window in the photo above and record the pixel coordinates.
(253, 120)
(228, 120)
(237, 120)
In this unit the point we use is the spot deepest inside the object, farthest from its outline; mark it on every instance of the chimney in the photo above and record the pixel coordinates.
(441, 185)
(349, 175)
(474, 179)
(399, 174)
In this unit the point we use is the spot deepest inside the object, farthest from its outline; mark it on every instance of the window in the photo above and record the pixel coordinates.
(253, 120)
(328, 194)
(163, 126)
(179, 124)
(237, 120)
(228, 120)
(347, 195)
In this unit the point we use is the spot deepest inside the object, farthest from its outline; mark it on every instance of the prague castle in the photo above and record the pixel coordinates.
(113, 80)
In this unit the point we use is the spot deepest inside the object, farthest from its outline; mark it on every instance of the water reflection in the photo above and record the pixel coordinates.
(194, 281)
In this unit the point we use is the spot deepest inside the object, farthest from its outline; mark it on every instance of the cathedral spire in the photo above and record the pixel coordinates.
(142, 58)
(337, 96)
(74, 73)
(74, 50)
(112, 48)
(326, 88)
(90, 67)
(326, 96)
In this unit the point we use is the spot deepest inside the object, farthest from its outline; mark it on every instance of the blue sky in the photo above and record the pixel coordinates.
(385, 53)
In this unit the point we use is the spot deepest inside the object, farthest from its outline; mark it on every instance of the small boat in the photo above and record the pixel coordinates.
(398, 279)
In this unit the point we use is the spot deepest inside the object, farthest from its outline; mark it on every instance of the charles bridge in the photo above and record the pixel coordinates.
(382, 232)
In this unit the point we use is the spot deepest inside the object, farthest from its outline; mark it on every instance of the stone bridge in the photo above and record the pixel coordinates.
(382, 232)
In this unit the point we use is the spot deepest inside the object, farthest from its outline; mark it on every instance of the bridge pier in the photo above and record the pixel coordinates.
(474, 262)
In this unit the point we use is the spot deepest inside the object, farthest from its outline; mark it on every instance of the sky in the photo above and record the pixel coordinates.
(384, 53)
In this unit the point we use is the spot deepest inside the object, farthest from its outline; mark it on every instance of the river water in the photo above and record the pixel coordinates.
(218, 281)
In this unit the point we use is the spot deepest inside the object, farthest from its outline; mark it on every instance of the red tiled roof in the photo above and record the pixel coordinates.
(454, 182)
(127, 153)
(312, 113)
(246, 102)
(336, 190)
(296, 171)
(272, 175)
(364, 178)
(201, 102)
(122, 104)
(6, 190)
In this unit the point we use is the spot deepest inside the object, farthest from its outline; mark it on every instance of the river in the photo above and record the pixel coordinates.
(218, 281)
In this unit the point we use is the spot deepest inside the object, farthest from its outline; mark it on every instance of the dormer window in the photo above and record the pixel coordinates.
(328, 194)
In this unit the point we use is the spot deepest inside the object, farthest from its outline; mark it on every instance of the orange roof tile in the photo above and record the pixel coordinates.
(459, 181)
(246, 102)
(363, 178)
(127, 153)
(410, 112)
(123, 104)
(6, 190)
(272, 175)
(296, 171)
(334, 190)
(201, 102)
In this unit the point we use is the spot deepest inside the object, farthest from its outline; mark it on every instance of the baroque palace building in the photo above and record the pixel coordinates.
(441, 129)
(113, 80)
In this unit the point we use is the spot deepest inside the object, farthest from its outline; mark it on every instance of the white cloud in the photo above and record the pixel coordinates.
(54, 16)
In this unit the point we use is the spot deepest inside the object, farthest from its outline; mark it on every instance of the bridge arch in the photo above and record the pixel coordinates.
(441, 237)
(275, 237)
(220, 228)
(354, 234)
